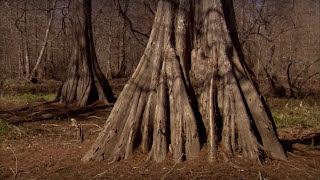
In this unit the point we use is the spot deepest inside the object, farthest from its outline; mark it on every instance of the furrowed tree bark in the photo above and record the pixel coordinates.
(156, 107)
(85, 83)
(193, 50)
(259, 111)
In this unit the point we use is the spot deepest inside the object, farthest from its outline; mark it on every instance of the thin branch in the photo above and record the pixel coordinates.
(289, 79)
(45, 42)
(148, 7)
(307, 79)
(17, 20)
(15, 173)
(303, 70)
(165, 175)
(134, 31)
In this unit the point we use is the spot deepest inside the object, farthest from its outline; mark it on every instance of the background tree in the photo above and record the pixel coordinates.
(34, 72)
(124, 37)
(85, 83)
(277, 36)
(32, 18)
(158, 108)
(296, 21)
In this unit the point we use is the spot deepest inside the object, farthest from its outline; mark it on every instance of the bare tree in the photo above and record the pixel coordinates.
(157, 108)
(276, 33)
(295, 86)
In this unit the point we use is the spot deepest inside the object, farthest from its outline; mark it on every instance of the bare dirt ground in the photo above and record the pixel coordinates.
(43, 143)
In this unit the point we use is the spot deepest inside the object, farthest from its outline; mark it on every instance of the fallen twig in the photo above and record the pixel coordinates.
(92, 125)
(164, 176)
(95, 117)
(15, 173)
(55, 125)
(103, 173)
(35, 113)
(16, 129)
(299, 170)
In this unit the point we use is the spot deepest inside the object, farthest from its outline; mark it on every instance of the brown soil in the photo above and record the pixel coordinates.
(43, 143)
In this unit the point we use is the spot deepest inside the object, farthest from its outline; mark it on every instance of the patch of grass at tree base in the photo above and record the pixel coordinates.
(26, 98)
(3, 127)
(303, 113)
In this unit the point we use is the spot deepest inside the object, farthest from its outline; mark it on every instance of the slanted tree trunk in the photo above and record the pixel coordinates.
(85, 83)
(156, 109)
(44, 45)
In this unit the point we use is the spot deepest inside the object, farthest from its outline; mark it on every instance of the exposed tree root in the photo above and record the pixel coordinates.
(155, 111)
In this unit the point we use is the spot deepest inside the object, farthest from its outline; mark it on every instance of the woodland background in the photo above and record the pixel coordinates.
(281, 43)
(280, 39)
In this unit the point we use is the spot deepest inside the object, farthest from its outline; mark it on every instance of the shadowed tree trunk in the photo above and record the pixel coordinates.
(85, 83)
(193, 51)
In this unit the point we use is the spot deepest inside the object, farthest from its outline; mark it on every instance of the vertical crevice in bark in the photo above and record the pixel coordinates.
(159, 147)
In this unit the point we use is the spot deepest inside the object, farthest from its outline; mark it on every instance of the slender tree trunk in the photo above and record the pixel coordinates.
(26, 49)
(26, 58)
(109, 67)
(291, 93)
(122, 58)
(44, 45)
(122, 62)
(156, 110)
(20, 72)
(85, 83)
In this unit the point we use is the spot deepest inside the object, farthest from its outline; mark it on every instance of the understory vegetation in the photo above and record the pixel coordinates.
(168, 89)
(287, 112)
(13, 92)
(303, 113)
(30, 149)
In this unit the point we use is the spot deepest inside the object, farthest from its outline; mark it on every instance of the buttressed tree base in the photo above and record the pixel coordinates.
(85, 83)
(191, 88)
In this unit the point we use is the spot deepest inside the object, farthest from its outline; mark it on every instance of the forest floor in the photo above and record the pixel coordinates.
(39, 141)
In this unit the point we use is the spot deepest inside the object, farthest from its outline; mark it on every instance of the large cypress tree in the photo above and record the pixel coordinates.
(191, 88)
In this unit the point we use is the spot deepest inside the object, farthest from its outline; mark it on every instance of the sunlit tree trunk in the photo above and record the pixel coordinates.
(196, 40)
(26, 46)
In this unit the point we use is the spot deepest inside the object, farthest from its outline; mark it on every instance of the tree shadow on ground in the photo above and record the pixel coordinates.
(311, 139)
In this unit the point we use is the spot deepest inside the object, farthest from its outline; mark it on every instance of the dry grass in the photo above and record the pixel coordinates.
(303, 113)
(17, 92)
(51, 149)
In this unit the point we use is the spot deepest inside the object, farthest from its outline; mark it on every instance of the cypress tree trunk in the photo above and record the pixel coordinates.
(156, 109)
(85, 83)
